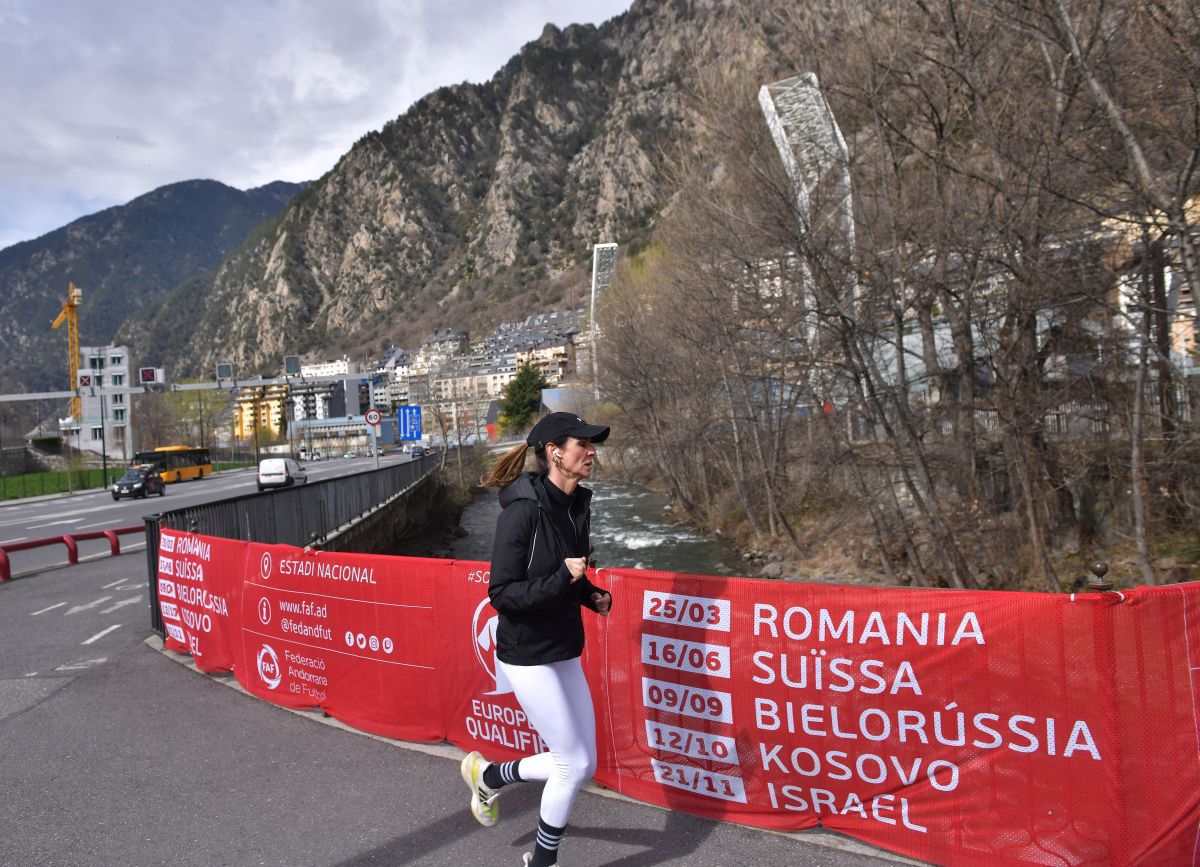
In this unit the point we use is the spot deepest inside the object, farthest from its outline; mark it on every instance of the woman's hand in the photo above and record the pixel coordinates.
(576, 566)
(603, 602)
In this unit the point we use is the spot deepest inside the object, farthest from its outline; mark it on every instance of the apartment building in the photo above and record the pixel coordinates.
(104, 425)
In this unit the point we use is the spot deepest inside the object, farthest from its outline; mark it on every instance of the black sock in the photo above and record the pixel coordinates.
(545, 853)
(500, 774)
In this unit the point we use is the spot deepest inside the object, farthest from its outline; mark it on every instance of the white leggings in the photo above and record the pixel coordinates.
(555, 697)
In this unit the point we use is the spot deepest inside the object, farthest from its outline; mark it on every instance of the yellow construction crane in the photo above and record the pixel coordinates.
(70, 314)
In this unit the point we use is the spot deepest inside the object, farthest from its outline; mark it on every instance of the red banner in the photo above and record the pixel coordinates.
(199, 580)
(957, 727)
(356, 635)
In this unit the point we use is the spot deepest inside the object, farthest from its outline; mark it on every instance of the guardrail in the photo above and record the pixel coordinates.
(284, 516)
(71, 540)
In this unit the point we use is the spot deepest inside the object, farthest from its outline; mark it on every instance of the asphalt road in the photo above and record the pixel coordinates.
(114, 753)
(41, 517)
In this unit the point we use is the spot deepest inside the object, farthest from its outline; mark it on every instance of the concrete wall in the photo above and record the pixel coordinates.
(427, 509)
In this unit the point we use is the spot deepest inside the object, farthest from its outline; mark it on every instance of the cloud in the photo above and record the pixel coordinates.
(105, 101)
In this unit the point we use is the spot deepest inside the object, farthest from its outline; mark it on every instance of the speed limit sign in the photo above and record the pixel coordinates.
(373, 417)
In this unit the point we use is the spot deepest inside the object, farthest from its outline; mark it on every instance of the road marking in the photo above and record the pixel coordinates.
(31, 674)
(54, 523)
(132, 599)
(88, 605)
(102, 633)
(84, 663)
(44, 610)
(10, 541)
(114, 584)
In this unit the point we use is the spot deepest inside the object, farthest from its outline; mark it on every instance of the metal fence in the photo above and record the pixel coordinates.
(285, 516)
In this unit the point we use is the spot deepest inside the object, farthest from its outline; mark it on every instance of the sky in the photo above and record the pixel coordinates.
(103, 100)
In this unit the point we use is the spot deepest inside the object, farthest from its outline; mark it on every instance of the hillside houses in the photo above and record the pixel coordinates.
(453, 378)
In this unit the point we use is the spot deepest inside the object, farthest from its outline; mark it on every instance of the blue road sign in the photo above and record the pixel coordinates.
(408, 420)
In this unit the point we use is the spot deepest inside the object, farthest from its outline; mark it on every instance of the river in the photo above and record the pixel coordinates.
(631, 528)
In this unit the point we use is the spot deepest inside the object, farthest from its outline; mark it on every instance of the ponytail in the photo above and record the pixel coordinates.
(506, 469)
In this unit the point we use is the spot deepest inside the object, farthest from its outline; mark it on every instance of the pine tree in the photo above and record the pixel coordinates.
(520, 399)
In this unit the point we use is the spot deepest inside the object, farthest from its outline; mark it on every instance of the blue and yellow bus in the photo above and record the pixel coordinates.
(177, 463)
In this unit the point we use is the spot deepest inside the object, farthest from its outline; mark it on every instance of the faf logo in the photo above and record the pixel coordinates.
(483, 638)
(265, 565)
(268, 667)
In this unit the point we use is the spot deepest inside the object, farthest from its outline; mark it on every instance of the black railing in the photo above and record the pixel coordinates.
(285, 516)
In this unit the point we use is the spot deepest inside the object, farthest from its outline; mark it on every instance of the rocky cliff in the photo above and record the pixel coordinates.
(479, 203)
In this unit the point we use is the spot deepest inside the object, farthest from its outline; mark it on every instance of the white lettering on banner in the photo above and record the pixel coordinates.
(166, 588)
(195, 547)
(197, 622)
(191, 571)
(707, 783)
(166, 566)
(306, 630)
(688, 742)
(867, 767)
(175, 632)
(307, 607)
(166, 542)
(711, 659)
(307, 676)
(304, 673)
(816, 672)
(795, 671)
(696, 611)
(308, 661)
(882, 806)
(169, 610)
(346, 572)
(297, 567)
(799, 624)
(948, 727)
(705, 704)
(198, 597)
(500, 724)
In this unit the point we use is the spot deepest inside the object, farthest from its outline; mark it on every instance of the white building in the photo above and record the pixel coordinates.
(104, 426)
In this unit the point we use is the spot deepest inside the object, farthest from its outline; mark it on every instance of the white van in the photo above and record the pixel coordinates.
(280, 473)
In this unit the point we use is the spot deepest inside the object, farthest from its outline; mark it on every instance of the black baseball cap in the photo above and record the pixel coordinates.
(555, 427)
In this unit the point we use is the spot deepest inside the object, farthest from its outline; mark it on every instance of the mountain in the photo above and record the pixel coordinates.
(479, 203)
(124, 258)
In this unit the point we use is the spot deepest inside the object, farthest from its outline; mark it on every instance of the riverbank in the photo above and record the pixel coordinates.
(836, 543)
(630, 529)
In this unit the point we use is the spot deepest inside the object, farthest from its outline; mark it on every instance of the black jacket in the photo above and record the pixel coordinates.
(530, 586)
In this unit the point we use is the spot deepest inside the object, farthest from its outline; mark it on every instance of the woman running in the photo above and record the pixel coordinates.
(538, 585)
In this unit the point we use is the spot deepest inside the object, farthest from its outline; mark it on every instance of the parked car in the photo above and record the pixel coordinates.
(280, 473)
(138, 481)
(417, 452)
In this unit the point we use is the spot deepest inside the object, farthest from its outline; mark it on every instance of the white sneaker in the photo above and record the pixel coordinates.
(528, 856)
(483, 800)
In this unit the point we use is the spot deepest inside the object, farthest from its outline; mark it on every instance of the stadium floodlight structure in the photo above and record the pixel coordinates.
(814, 154)
(604, 265)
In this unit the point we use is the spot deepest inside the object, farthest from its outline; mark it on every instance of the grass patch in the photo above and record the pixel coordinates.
(55, 482)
